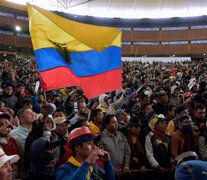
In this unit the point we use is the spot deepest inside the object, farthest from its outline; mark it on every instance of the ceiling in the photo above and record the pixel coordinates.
(125, 8)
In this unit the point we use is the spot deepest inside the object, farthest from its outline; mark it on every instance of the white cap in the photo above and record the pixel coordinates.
(4, 158)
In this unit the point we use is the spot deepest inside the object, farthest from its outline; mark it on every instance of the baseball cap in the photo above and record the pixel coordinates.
(60, 120)
(119, 111)
(4, 158)
(4, 115)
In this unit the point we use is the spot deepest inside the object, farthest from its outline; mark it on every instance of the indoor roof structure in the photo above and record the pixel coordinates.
(124, 8)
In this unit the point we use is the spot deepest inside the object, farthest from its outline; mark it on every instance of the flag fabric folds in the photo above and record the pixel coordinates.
(70, 53)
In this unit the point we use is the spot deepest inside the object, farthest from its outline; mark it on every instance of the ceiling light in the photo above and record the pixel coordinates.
(18, 28)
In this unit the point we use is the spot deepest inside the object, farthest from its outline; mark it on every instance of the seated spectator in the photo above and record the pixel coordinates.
(157, 147)
(5, 165)
(184, 139)
(43, 156)
(59, 112)
(175, 96)
(61, 131)
(96, 121)
(161, 106)
(199, 117)
(81, 114)
(117, 145)
(173, 124)
(7, 142)
(121, 117)
(9, 99)
(138, 160)
(202, 145)
(82, 165)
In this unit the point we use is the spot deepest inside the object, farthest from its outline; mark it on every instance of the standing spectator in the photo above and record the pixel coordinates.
(116, 144)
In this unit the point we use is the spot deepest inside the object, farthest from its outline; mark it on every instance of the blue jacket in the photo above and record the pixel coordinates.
(68, 171)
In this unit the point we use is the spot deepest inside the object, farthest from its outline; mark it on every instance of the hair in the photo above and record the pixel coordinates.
(59, 110)
(183, 117)
(107, 119)
(144, 106)
(171, 106)
(94, 113)
(80, 101)
(179, 109)
(199, 106)
(20, 113)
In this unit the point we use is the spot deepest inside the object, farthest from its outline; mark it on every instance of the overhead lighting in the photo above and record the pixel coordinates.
(18, 28)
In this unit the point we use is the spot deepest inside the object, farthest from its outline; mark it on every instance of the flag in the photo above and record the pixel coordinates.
(70, 53)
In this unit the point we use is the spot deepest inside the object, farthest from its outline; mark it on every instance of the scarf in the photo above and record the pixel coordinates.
(73, 161)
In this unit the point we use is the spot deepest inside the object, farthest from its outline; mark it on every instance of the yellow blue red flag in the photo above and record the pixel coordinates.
(70, 53)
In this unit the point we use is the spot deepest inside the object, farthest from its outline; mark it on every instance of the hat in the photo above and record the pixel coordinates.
(81, 132)
(165, 81)
(144, 94)
(134, 121)
(119, 112)
(191, 170)
(134, 95)
(184, 156)
(149, 115)
(161, 93)
(20, 85)
(5, 85)
(4, 158)
(179, 74)
(4, 115)
(191, 84)
(156, 120)
(60, 120)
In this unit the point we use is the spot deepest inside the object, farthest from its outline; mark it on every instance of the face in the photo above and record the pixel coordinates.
(200, 113)
(45, 109)
(135, 130)
(8, 90)
(99, 117)
(113, 125)
(62, 129)
(123, 117)
(177, 91)
(20, 89)
(2, 104)
(164, 98)
(48, 126)
(5, 127)
(85, 149)
(148, 109)
(82, 109)
(59, 114)
(28, 116)
(6, 171)
(146, 100)
(186, 122)
(161, 126)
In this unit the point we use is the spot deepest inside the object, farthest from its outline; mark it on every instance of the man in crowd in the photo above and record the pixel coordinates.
(121, 117)
(184, 139)
(82, 165)
(117, 145)
(82, 112)
(96, 121)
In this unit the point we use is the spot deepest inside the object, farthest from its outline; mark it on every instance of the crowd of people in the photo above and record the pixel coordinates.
(154, 128)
